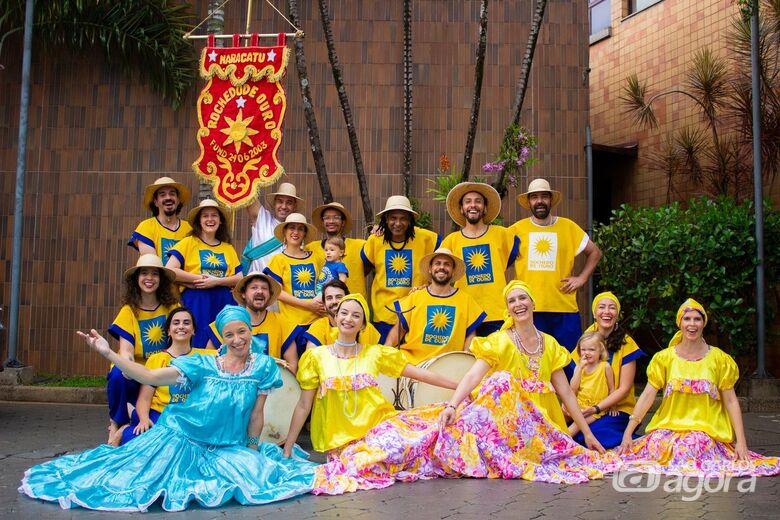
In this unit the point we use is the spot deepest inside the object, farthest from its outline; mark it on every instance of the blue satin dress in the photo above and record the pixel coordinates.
(196, 451)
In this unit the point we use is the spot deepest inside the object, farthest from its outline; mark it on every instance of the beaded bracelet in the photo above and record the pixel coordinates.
(448, 405)
(252, 441)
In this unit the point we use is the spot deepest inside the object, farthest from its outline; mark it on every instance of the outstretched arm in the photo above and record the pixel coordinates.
(299, 417)
(465, 387)
(426, 376)
(158, 377)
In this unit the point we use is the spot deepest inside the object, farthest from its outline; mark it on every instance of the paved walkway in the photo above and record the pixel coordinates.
(31, 433)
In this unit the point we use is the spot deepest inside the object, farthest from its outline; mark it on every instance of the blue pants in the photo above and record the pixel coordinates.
(120, 392)
(565, 327)
(608, 430)
(486, 328)
(127, 433)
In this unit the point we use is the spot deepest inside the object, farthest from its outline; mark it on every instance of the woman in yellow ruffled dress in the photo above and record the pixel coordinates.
(698, 428)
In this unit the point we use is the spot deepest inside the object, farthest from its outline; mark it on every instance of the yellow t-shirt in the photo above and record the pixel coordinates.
(348, 401)
(692, 397)
(499, 351)
(396, 269)
(487, 258)
(144, 330)
(274, 332)
(174, 393)
(593, 387)
(356, 281)
(298, 277)
(546, 257)
(197, 257)
(436, 324)
(161, 238)
(628, 352)
(320, 332)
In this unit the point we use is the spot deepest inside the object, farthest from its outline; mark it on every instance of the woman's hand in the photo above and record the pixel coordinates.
(206, 282)
(143, 425)
(741, 451)
(316, 306)
(446, 417)
(587, 412)
(96, 342)
(593, 443)
(287, 452)
(613, 412)
(626, 445)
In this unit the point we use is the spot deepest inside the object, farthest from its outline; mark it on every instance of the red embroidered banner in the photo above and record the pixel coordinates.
(240, 112)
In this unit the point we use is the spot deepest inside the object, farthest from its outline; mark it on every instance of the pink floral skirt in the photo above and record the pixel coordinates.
(693, 453)
(500, 434)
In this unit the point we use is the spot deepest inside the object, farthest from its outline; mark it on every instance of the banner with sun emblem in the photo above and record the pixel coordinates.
(240, 113)
(438, 324)
(398, 266)
(479, 266)
(542, 251)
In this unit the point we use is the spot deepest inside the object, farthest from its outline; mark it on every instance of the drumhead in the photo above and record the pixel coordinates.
(453, 365)
(279, 407)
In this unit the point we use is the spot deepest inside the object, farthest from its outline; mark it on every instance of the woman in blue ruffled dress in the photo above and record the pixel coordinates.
(205, 449)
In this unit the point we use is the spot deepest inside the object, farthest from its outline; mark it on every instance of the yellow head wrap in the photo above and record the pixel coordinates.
(601, 296)
(689, 305)
(357, 297)
(511, 286)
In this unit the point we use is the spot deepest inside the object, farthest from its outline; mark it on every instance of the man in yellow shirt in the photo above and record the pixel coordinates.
(548, 247)
(156, 235)
(323, 331)
(488, 250)
(334, 220)
(438, 318)
(256, 292)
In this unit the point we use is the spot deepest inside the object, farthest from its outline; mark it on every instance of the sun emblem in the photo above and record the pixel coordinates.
(439, 320)
(213, 260)
(398, 263)
(238, 131)
(153, 335)
(304, 276)
(543, 247)
(477, 260)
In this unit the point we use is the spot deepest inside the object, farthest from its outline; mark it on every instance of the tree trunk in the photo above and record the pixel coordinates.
(308, 108)
(346, 110)
(214, 25)
(476, 100)
(407, 66)
(522, 85)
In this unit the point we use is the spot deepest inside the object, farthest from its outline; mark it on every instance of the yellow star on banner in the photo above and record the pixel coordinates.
(238, 131)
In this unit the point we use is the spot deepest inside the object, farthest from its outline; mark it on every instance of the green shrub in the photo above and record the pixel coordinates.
(655, 258)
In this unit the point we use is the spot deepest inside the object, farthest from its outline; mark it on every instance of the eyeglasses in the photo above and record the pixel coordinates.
(333, 218)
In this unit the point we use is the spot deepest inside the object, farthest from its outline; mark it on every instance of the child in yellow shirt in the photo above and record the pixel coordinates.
(593, 379)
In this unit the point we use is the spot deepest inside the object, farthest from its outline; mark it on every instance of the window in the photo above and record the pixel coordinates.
(600, 15)
(635, 6)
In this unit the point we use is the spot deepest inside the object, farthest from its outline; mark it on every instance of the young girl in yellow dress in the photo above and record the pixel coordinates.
(593, 379)
(698, 428)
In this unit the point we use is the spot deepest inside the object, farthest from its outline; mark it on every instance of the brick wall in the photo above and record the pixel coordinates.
(96, 139)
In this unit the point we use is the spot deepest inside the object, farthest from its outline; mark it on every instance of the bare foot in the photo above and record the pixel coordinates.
(116, 438)
(112, 429)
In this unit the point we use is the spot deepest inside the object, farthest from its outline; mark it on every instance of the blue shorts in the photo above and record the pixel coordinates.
(565, 327)
(120, 392)
(127, 433)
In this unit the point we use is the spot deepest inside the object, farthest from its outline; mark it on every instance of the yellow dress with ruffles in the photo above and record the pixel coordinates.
(692, 397)
(499, 351)
(345, 385)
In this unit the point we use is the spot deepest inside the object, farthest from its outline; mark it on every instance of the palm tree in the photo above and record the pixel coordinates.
(475, 101)
(522, 84)
(407, 66)
(345, 109)
(308, 108)
(144, 38)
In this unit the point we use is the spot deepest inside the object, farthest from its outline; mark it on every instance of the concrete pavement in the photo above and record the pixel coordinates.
(31, 433)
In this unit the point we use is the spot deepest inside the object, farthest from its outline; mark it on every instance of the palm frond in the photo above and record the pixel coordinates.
(633, 98)
(707, 81)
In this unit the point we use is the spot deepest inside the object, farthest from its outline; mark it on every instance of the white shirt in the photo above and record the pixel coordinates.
(262, 230)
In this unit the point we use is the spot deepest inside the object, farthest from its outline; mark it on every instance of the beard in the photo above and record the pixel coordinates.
(541, 211)
(440, 278)
(252, 306)
(474, 219)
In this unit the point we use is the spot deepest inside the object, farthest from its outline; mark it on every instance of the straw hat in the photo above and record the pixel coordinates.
(296, 218)
(206, 203)
(316, 217)
(150, 260)
(491, 196)
(275, 287)
(162, 182)
(459, 267)
(286, 189)
(398, 202)
(536, 186)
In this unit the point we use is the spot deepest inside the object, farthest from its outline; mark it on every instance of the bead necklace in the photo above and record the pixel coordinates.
(532, 359)
(345, 391)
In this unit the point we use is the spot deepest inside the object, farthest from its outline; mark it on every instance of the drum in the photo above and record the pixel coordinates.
(453, 365)
(279, 407)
